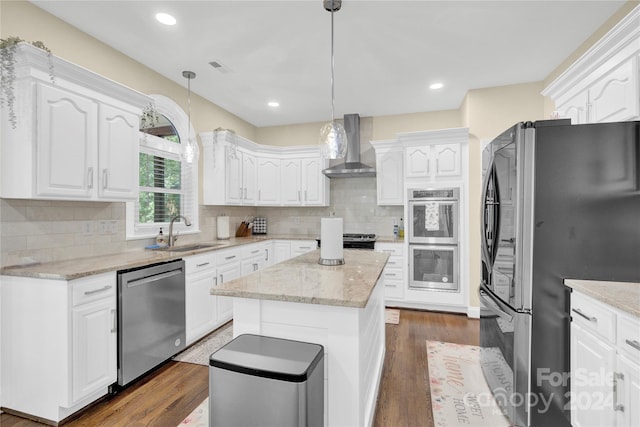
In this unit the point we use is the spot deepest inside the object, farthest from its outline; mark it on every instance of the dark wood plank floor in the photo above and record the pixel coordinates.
(169, 394)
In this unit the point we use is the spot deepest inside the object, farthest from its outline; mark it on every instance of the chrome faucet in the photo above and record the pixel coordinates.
(172, 238)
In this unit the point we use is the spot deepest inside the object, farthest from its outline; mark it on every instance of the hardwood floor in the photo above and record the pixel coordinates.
(165, 397)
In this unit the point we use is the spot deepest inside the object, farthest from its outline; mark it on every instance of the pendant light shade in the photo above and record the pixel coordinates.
(333, 137)
(190, 150)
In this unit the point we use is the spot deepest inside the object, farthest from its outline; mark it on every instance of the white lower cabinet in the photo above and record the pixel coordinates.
(200, 277)
(229, 264)
(393, 275)
(300, 247)
(605, 365)
(59, 343)
(281, 251)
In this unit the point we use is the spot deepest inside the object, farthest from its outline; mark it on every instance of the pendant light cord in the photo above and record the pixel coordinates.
(332, 65)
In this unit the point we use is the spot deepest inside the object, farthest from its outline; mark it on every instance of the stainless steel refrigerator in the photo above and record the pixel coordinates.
(559, 201)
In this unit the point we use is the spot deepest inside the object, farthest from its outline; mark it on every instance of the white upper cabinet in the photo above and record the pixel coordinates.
(417, 162)
(75, 138)
(447, 160)
(261, 175)
(268, 182)
(389, 172)
(603, 85)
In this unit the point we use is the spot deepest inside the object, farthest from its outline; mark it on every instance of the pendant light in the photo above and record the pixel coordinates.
(333, 137)
(190, 150)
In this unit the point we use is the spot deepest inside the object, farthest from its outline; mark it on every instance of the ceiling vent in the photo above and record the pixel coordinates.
(219, 66)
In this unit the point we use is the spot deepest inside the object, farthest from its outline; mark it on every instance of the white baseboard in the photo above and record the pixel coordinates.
(473, 312)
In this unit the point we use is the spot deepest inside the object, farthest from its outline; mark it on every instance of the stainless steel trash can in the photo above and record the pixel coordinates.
(268, 382)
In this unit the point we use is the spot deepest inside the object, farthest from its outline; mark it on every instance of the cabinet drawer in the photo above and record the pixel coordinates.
(629, 337)
(393, 249)
(93, 288)
(393, 288)
(197, 263)
(228, 257)
(593, 316)
(395, 262)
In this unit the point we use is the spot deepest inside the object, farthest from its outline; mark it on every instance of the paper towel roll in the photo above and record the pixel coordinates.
(331, 241)
(222, 227)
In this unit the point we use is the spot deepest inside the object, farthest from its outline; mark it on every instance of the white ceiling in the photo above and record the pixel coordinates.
(386, 52)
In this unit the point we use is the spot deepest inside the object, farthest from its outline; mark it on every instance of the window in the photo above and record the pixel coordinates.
(168, 186)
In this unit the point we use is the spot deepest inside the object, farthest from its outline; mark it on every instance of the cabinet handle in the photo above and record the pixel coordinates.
(305, 195)
(389, 251)
(105, 177)
(245, 193)
(390, 274)
(256, 251)
(203, 264)
(635, 344)
(298, 195)
(240, 193)
(215, 280)
(230, 257)
(96, 291)
(589, 318)
(90, 176)
(305, 247)
(114, 327)
(255, 266)
(266, 254)
(391, 262)
(617, 406)
(259, 194)
(221, 278)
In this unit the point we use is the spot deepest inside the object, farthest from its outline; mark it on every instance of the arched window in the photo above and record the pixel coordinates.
(168, 185)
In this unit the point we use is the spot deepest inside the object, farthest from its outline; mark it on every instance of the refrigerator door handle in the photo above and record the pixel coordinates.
(494, 304)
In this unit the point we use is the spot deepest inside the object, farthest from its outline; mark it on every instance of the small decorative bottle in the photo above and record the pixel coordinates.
(160, 239)
(401, 230)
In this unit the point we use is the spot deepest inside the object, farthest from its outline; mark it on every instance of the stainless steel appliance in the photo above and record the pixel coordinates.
(433, 239)
(151, 317)
(559, 201)
(356, 241)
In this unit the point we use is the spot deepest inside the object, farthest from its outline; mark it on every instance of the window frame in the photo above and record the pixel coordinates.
(156, 145)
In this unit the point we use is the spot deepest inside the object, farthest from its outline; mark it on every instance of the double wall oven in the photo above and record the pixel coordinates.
(432, 231)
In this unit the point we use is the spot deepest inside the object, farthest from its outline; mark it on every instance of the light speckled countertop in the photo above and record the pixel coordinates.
(302, 279)
(624, 296)
(81, 267)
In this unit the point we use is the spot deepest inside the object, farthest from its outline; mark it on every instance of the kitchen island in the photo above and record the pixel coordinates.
(339, 307)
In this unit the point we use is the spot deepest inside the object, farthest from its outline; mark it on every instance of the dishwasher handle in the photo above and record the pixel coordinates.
(153, 278)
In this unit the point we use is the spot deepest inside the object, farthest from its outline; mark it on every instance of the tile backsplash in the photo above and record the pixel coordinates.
(43, 231)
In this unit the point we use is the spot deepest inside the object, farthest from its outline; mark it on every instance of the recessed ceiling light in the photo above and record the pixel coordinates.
(165, 18)
(435, 86)
(273, 104)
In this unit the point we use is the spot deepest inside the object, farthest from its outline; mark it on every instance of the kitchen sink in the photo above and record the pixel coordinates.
(193, 247)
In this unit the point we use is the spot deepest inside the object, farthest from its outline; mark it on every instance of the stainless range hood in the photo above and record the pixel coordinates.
(352, 167)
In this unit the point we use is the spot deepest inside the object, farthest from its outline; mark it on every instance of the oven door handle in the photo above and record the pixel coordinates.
(495, 304)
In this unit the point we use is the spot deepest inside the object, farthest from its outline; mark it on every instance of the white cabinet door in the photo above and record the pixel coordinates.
(615, 97)
(67, 137)
(235, 190)
(592, 367)
(200, 305)
(390, 177)
(447, 160)
(291, 182)
(229, 268)
(269, 182)
(627, 392)
(94, 346)
(417, 162)
(575, 109)
(118, 154)
(313, 182)
(249, 168)
(281, 251)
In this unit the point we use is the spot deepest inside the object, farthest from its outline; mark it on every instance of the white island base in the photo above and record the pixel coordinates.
(354, 346)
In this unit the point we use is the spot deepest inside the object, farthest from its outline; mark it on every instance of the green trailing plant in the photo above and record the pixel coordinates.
(8, 49)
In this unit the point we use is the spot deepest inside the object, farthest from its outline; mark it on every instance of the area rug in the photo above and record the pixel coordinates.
(199, 417)
(199, 352)
(391, 316)
(459, 394)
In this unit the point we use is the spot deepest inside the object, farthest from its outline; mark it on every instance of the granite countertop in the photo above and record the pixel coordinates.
(303, 280)
(624, 296)
(81, 267)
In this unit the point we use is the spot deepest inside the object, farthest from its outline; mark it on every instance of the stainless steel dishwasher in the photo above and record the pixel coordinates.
(151, 317)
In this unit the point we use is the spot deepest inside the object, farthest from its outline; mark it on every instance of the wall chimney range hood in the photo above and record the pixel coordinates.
(352, 167)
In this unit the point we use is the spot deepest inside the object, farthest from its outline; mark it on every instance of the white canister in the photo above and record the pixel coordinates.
(222, 227)
(331, 252)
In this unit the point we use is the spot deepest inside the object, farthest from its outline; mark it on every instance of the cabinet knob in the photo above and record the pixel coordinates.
(105, 178)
